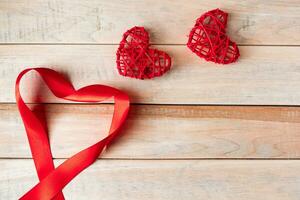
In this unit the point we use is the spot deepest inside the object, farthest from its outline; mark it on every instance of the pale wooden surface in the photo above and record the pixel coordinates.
(167, 179)
(263, 75)
(200, 131)
(93, 21)
(184, 150)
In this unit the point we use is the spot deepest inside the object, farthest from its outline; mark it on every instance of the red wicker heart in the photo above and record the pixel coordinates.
(208, 38)
(135, 59)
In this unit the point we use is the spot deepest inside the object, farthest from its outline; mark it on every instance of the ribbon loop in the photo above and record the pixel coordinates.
(53, 180)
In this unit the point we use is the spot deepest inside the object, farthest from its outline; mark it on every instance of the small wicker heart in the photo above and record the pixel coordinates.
(208, 38)
(135, 59)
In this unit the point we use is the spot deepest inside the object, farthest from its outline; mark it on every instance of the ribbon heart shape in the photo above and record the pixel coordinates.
(135, 59)
(208, 38)
(53, 180)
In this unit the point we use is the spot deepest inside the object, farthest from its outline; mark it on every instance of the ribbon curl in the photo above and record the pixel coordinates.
(53, 180)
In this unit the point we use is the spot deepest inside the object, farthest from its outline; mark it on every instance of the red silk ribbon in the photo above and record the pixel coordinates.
(53, 180)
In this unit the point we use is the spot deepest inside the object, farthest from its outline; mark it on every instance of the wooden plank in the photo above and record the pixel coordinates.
(263, 75)
(201, 131)
(166, 179)
(73, 21)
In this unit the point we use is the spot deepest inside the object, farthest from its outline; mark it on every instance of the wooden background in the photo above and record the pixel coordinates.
(202, 131)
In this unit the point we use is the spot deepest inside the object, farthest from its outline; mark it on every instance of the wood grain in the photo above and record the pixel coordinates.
(162, 132)
(173, 180)
(173, 151)
(263, 75)
(75, 21)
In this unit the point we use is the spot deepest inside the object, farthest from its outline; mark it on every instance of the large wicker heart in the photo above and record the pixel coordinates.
(208, 38)
(136, 60)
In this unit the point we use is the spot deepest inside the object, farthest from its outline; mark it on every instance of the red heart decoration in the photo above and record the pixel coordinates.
(208, 38)
(135, 59)
(53, 180)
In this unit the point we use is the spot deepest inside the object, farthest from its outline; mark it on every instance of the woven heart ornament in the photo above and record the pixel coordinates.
(136, 60)
(208, 38)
